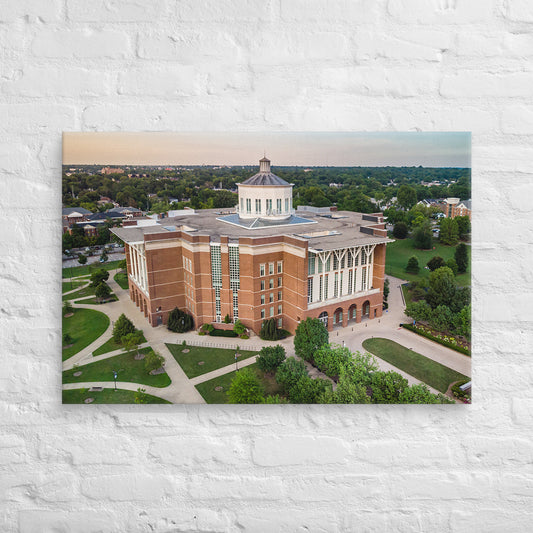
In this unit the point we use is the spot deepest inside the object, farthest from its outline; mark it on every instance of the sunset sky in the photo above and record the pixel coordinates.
(448, 149)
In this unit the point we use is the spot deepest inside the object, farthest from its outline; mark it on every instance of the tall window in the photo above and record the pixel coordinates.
(326, 287)
(258, 206)
(242, 205)
(350, 281)
(248, 205)
(279, 295)
(262, 284)
(321, 287)
(279, 309)
(280, 322)
(336, 285)
(271, 268)
(279, 282)
(364, 279)
(335, 263)
(262, 313)
(262, 299)
(286, 205)
(328, 264)
(280, 267)
(278, 205)
(311, 264)
(272, 311)
(269, 206)
(271, 297)
(271, 283)
(216, 278)
(309, 290)
(350, 259)
(363, 257)
(261, 270)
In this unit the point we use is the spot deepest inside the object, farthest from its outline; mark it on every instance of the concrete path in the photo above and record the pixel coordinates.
(224, 370)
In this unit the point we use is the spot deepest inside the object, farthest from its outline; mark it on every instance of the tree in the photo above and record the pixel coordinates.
(289, 372)
(400, 230)
(310, 335)
(103, 256)
(412, 265)
(153, 361)
(422, 236)
(131, 341)
(386, 289)
(347, 391)
(67, 339)
(461, 258)
(270, 357)
(463, 226)
(441, 287)
(122, 327)
(406, 197)
(463, 321)
(419, 310)
(102, 291)
(442, 318)
(82, 259)
(179, 321)
(270, 331)
(141, 396)
(387, 386)
(122, 264)
(67, 308)
(99, 276)
(246, 388)
(239, 328)
(449, 231)
(227, 319)
(452, 265)
(436, 262)
(308, 390)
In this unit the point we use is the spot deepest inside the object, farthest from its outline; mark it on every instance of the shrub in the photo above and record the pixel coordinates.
(270, 357)
(289, 372)
(141, 396)
(452, 265)
(270, 332)
(207, 327)
(239, 328)
(98, 277)
(153, 361)
(67, 339)
(102, 291)
(227, 319)
(331, 360)
(67, 308)
(444, 342)
(412, 265)
(310, 335)
(458, 393)
(387, 387)
(419, 393)
(122, 327)
(179, 321)
(307, 390)
(246, 388)
(275, 399)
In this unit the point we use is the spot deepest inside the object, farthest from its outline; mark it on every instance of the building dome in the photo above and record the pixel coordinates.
(265, 195)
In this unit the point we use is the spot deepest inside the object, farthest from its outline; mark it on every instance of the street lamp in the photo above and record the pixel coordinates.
(115, 375)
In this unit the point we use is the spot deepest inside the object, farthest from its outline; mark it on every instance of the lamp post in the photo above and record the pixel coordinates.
(115, 375)
(236, 368)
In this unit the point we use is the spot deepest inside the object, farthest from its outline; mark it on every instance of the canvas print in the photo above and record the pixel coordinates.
(266, 268)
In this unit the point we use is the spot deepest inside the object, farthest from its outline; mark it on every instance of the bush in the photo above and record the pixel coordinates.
(270, 332)
(455, 347)
(222, 333)
(387, 387)
(458, 393)
(67, 308)
(310, 335)
(239, 328)
(227, 319)
(102, 291)
(435, 262)
(289, 372)
(270, 357)
(206, 328)
(452, 265)
(99, 276)
(412, 265)
(400, 230)
(122, 327)
(275, 399)
(246, 388)
(307, 390)
(331, 360)
(153, 361)
(179, 321)
(67, 339)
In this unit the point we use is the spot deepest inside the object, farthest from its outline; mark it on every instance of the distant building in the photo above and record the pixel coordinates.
(454, 207)
(110, 170)
(259, 261)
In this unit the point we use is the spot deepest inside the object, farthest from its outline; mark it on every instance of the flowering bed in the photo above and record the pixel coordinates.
(449, 341)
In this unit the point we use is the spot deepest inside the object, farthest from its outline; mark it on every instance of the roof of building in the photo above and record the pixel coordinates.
(70, 210)
(467, 204)
(323, 231)
(266, 178)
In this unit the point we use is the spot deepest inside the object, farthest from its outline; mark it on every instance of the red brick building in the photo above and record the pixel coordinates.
(262, 260)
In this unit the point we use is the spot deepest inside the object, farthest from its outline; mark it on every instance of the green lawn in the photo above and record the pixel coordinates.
(430, 372)
(210, 395)
(106, 396)
(94, 301)
(83, 270)
(109, 346)
(213, 358)
(122, 279)
(399, 252)
(71, 285)
(128, 368)
(85, 326)
(86, 291)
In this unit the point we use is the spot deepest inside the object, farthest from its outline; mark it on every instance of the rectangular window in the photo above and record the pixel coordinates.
(280, 267)
(343, 260)
(279, 282)
(286, 205)
(336, 285)
(350, 259)
(279, 295)
(278, 205)
(272, 311)
(271, 283)
(248, 205)
(271, 268)
(320, 266)
(258, 206)
(350, 281)
(262, 284)
(326, 287)
(262, 313)
(234, 269)
(280, 322)
(280, 309)
(328, 264)
(364, 279)
(341, 283)
(311, 260)
(262, 299)
(356, 260)
(271, 297)
(335, 263)
(269, 207)
(363, 257)
(242, 205)
(309, 290)
(321, 287)
(261, 270)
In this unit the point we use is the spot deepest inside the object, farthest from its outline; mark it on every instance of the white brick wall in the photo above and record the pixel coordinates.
(265, 65)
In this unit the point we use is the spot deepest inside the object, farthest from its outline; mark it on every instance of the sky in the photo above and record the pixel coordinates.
(428, 149)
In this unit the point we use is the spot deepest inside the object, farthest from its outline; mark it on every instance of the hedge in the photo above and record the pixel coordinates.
(222, 333)
(459, 349)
